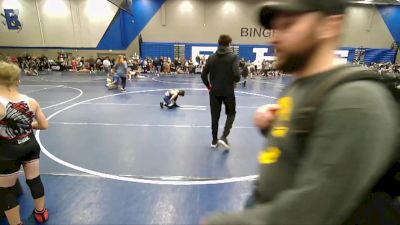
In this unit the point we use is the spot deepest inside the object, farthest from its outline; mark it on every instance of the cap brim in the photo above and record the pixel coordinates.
(265, 16)
(268, 11)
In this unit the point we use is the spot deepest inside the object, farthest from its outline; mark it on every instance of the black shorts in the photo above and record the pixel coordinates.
(14, 153)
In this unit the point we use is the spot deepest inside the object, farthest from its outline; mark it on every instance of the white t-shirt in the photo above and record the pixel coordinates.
(106, 63)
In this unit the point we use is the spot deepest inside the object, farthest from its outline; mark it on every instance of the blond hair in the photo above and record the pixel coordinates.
(120, 59)
(9, 74)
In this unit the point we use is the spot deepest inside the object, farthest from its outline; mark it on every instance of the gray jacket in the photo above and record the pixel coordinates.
(352, 143)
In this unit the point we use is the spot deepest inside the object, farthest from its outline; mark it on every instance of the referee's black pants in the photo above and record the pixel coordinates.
(230, 110)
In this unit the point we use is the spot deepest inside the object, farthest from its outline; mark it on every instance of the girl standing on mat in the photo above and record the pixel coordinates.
(19, 115)
(121, 69)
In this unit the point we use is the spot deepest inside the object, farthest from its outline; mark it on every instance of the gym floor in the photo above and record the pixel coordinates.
(118, 158)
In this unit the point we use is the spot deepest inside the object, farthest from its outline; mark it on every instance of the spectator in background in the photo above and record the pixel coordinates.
(92, 64)
(107, 66)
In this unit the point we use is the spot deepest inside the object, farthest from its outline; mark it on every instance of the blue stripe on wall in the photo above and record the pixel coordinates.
(50, 47)
(112, 39)
(157, 49)
(376, 55)
(379, 55)
(153, 50)
(188, 48)
(246, 51)
(391, 16)
(125, 28)
(351, 56)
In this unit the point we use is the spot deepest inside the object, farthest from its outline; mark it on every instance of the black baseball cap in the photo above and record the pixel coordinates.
(330, 7)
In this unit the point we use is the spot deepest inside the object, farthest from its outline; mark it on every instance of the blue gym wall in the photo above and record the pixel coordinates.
(188, 48)
(246, 51)
(150, 49)
(125, 28)
(391, 16)
(157, 49)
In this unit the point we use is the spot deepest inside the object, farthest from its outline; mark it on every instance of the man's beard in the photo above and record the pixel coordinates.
(296, 61)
